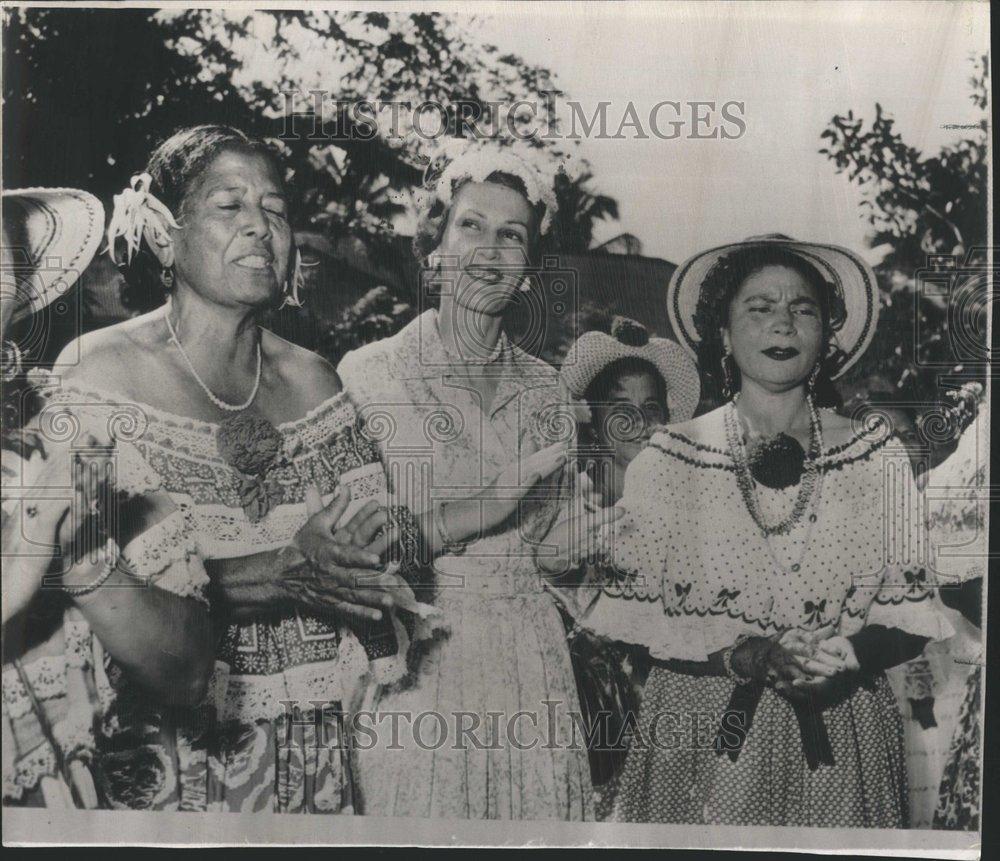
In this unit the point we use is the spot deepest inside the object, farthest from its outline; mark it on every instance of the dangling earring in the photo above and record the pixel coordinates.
(167, 278)
(525, 285)
(290, 292)
(811, 385)
(727, 376)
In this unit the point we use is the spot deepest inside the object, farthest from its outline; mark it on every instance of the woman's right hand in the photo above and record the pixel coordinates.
(579, 536)
(767, 661)
(336, 574)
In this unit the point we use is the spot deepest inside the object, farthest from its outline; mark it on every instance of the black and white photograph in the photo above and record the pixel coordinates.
(497, 424)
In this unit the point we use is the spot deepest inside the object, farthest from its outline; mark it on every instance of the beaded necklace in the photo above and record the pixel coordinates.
(748, 487)
(215, 399)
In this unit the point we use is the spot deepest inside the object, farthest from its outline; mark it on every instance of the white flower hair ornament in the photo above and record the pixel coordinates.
(138, 213)
(476, 164)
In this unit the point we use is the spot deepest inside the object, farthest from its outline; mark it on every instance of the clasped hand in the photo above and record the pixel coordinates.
(337, 571)
(798, 663)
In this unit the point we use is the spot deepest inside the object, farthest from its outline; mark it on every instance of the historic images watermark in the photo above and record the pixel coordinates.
(319, 115)
(552, 727)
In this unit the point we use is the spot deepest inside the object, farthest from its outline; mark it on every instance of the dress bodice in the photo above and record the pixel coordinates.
(689, 547)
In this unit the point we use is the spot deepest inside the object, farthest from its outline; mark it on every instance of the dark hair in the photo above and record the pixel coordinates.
(712, 315)
(599, 389)
(175, 167)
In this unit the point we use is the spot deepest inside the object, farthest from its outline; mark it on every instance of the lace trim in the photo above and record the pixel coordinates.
(25, 774)
(167, 541)
(247, 698)
(178, 431)
(860, 446)
(166, 556)
(48, 680)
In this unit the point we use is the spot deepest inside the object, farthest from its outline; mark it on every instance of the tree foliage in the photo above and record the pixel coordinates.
(930, 212)
(89, 93)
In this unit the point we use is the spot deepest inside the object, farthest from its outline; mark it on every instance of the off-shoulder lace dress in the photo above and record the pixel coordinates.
(255, 744)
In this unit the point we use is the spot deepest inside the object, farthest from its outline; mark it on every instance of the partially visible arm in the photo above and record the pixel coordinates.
(164, 641)
(880, 648)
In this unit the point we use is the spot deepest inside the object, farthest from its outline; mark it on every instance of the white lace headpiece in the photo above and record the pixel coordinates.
(476, 162)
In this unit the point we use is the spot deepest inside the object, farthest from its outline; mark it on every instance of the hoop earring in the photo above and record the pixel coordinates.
(167, 278)
(727, 376)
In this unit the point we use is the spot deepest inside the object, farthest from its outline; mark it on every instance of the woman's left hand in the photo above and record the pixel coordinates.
(822, 655)
(525, 472)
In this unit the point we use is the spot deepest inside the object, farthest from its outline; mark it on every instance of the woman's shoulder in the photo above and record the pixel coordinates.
(699, 440)
(301, 369)
(116, 359)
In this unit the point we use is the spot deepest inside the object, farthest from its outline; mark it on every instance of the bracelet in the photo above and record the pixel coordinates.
(400, 517)
(727, 661)
(110, 566)
(450, 545)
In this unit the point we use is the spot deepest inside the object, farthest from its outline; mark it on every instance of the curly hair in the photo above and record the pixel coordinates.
(719, 289)
(175, 167)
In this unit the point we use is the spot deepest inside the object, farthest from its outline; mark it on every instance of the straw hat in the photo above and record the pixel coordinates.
(594, 351)
(50, 236)
(851, 278)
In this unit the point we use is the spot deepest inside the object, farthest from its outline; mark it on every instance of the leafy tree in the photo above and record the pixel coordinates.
(923, 209)
(91, 92)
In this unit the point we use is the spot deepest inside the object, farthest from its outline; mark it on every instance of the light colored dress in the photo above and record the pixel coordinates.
(239, 751)
(506, 650)
(691, 572)
(959, 528)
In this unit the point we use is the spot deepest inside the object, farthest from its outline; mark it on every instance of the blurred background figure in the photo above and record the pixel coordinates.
(49, 695)
(631, 384)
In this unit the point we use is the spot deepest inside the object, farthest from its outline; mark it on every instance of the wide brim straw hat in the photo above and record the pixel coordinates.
(594, 351)
(851, 278)
(51, 235)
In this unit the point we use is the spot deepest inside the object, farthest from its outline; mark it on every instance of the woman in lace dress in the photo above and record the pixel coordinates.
(453, 403)
(756, 562)
(228, 442)
(63, 616)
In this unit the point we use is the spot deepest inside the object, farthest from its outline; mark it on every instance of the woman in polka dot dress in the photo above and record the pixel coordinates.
(766, 559)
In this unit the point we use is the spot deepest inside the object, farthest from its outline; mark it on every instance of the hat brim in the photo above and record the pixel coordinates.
(51, 234)
(594, 351)
(851, 277)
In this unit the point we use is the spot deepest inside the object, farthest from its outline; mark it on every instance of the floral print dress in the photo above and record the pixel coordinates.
(258, 742)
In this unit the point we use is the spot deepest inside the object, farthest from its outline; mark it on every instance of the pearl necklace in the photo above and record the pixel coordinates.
(747, 485)
(221, 404)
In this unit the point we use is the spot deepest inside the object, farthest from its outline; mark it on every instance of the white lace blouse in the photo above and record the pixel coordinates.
(690, 570)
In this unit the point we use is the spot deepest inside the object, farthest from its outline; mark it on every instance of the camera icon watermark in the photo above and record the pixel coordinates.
(964, 289)
(38, 311)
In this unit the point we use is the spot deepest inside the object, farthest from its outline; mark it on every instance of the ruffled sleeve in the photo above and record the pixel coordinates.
(160, 548)
(639, 603)
(903, 593)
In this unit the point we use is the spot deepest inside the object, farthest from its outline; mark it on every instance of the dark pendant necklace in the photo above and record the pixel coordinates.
(776, 462)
